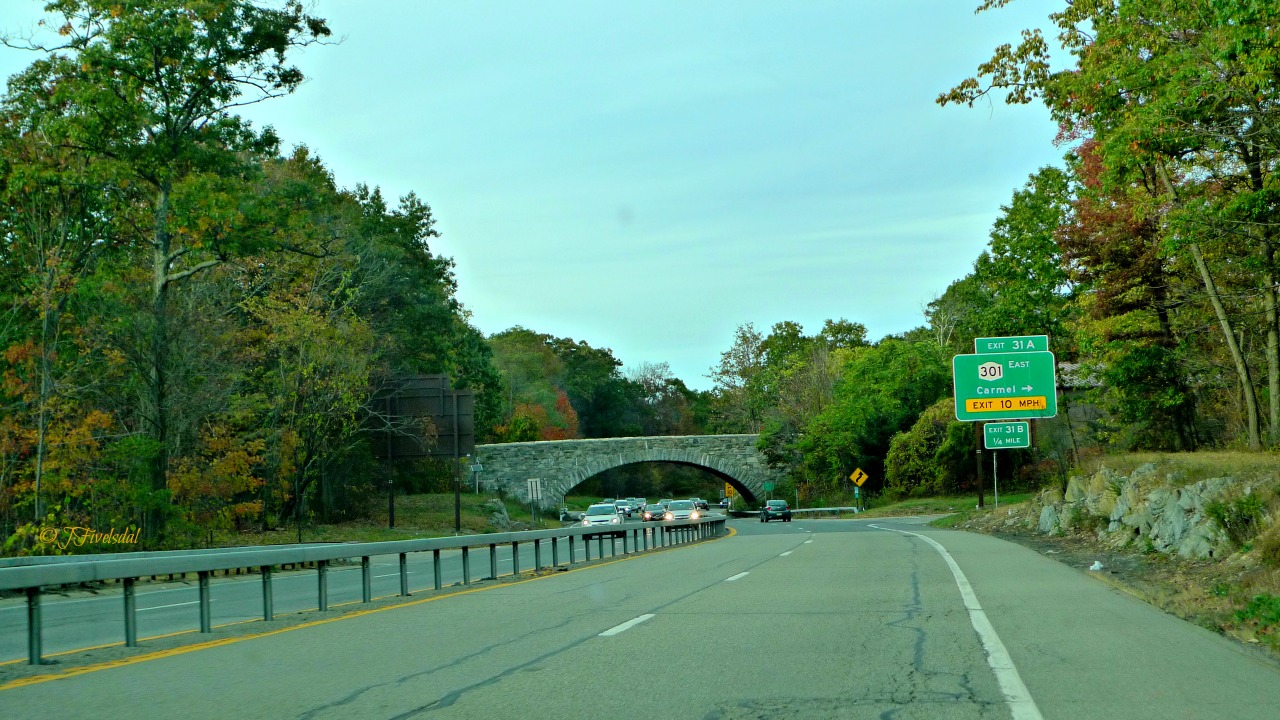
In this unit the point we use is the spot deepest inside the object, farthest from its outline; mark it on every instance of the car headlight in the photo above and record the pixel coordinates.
(586, 523)
(668, 516)
(615, 520)
(693, 516)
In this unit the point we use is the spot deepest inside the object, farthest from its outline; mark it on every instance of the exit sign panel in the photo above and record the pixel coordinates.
(1006, 435)
(1005, 386)
(1017, 344)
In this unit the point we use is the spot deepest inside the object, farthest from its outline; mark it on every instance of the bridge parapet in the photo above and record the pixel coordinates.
(562, 464)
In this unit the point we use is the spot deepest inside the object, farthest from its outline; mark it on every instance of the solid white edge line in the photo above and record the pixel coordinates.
(626, 625)
(785, 554)
(736, 577)
(1016, 695)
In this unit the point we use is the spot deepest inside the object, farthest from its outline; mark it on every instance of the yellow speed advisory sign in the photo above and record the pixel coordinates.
(1002, 405)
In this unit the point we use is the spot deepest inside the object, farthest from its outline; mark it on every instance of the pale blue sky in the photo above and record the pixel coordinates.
(648, 176)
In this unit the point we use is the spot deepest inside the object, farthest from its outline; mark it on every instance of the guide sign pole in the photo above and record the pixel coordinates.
(977, 442)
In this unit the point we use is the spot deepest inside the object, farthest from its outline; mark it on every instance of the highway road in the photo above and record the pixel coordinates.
(809, 619)
(79, 619)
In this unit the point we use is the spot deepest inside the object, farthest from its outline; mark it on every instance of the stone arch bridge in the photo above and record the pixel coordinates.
(562, 464)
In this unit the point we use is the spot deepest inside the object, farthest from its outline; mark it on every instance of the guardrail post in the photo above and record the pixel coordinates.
(366, 580)
(555, 552)
(322, 580)
(466, 566)
(572, 559)
(130, 613)
(537, 555)
(630, 533)
(404, 574)
(206, 625)
(586, 547)
(435, 568)
(493, 561)
(600, 545)
(515, 560)
(268, 606)
(33, 627)
(613, 546)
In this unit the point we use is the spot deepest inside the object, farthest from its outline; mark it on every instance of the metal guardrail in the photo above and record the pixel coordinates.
(834, 510)
(128, 567)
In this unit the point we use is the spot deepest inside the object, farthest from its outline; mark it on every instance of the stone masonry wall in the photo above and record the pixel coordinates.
(562, 464)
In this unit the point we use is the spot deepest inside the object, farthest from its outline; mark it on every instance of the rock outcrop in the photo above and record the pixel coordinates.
(1145, 509)
(498, 516)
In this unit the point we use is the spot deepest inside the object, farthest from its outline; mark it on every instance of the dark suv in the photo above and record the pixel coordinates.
(775, 510)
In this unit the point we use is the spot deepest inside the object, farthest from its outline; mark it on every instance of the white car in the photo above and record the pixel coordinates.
(601, 514)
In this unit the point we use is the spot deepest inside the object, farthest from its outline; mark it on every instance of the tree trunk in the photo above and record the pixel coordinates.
(1273, 342)
(1242, 367)
(156, 385)
(46, 389)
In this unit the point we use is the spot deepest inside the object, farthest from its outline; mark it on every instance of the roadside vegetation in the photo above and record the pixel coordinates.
(197, 320)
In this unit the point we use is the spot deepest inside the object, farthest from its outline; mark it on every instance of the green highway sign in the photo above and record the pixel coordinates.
(1006, 435)
(768, 487)
(1019, 344)
(1005, 386)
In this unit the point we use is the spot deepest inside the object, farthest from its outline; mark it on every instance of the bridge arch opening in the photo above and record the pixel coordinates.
(721, 476)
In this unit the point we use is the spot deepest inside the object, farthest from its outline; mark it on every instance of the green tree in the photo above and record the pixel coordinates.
(1183, 95)
(148, 89)
(881, 392)
(739, 404)
(921, 460)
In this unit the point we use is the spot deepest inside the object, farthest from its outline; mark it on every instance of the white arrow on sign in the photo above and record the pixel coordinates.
(1028, 388)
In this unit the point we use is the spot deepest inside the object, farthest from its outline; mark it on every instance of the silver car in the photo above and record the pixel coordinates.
(681, 510)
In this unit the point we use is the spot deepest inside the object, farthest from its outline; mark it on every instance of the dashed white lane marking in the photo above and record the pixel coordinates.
(1016, 695)
(158, 607)
(808, 542)
(736, 577)
(785, 554)
(626, 625)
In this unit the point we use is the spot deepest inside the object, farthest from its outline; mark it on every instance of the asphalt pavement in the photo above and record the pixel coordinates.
(808, 619)
(76, 619)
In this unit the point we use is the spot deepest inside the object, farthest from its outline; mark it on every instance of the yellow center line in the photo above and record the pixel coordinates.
(173, 652)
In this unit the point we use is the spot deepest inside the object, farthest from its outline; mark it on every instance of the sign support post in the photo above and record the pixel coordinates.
(977, 442)
(995, 477)
(535, 497)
